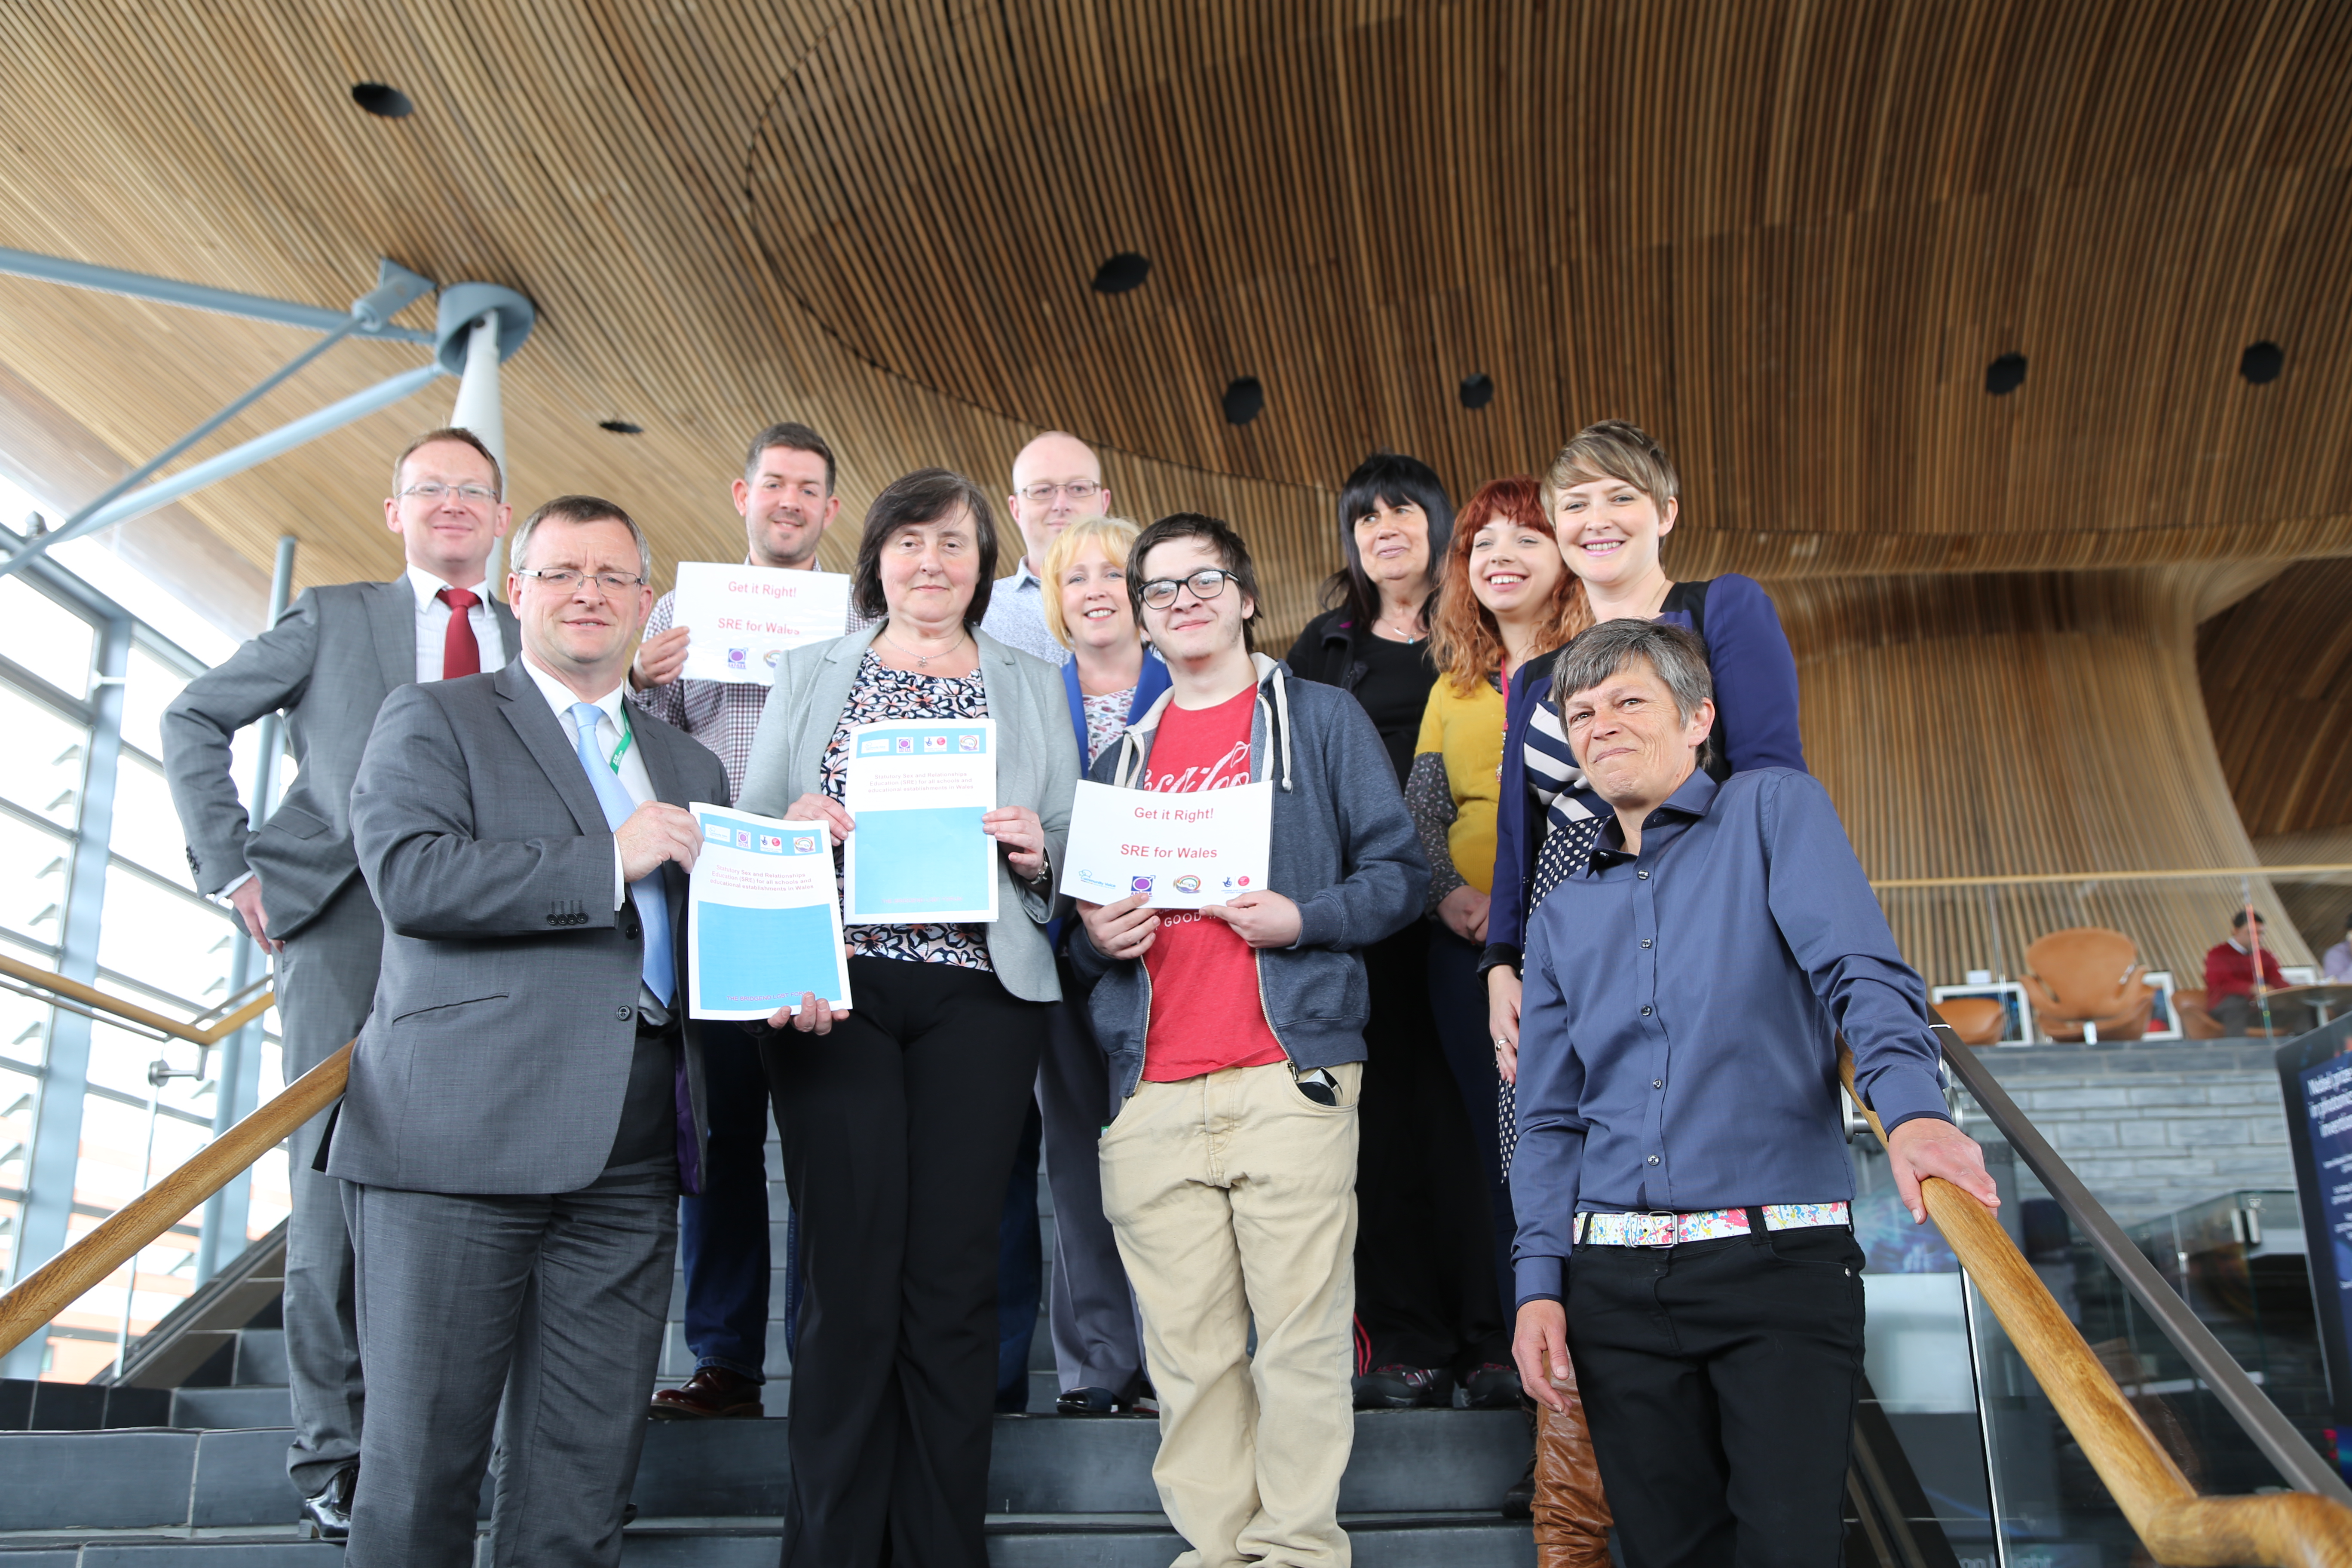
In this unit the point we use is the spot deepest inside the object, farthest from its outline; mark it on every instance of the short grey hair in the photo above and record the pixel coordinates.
(578, 510)
(1676, 653)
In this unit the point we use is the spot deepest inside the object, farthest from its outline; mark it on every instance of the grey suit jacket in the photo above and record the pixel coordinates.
(496, 1059)
(1036, 766)
(329, 662)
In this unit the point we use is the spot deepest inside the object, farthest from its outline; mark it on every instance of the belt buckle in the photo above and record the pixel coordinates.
(1655, 1229)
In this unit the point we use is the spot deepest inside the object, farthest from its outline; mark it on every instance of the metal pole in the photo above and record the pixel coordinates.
(481, 409)
(2254, 936)
(197, 296)
(87, 519)
(226, 1211)
(57, 1128)
(261, 449)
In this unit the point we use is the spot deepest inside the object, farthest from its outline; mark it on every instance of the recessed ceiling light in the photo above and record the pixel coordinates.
(384, 102)
(1122, 272)
(620, 428)
(1244, 400)
(2262, 362)
(2005, 374)
(1478, 390)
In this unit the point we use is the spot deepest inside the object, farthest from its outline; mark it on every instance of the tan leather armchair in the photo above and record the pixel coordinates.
(1978, 1020)
(2088, 975)
(2196, 1024)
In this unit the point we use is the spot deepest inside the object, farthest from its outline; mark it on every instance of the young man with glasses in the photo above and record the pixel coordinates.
(1056, 480)
(1236, 1046)
(329, 663)
(787, 502)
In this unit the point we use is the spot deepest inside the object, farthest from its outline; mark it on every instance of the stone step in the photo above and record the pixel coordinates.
(1428, 1461)
(260, 1358)
(211, 1409)
(1101, 1541)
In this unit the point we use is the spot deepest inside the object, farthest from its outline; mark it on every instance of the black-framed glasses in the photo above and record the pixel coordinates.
(1206, 583)
(434, 490)
(565, 580)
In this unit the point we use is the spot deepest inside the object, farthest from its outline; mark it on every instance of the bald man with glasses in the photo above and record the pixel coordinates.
(1056, 480)
(328, 664)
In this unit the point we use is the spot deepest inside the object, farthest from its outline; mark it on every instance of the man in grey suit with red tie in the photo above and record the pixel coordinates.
(526, 1100)
(329, 663)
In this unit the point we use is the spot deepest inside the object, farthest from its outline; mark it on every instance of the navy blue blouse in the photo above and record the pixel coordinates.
(1754, 679)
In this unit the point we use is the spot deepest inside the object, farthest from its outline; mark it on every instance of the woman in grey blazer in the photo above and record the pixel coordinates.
(900, 1116)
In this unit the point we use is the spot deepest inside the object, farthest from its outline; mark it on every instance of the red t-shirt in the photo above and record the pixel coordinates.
(1205, 1012)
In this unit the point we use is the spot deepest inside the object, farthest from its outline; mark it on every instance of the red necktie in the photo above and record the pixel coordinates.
(460, 654)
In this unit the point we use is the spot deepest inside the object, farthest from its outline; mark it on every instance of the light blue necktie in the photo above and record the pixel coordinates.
(652, 905)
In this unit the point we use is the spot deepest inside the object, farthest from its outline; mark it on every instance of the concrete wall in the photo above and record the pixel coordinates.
(2154, 1126)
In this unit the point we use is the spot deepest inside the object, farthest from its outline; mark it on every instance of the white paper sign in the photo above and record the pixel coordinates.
(917, 789)
(762, 925)
(1181, 849)
(742, 618)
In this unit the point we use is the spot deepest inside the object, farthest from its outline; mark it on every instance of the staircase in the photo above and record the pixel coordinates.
(205, 1484)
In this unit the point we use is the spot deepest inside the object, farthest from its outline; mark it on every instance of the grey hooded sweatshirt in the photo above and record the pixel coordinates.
(1343, 849)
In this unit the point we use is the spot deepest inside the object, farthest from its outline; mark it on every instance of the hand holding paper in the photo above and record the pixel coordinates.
(1184, 850)
(763, 930)
(744, 618)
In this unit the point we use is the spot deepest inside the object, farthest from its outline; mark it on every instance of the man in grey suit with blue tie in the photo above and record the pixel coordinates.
(526, 1099)
(329, 663)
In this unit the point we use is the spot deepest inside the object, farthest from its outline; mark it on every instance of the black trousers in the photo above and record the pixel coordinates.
(899, 1131)
(1425, 1282)
(1719, 1378)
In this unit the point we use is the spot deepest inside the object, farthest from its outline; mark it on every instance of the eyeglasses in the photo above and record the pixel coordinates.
(434, 490)
(1076, 489)
(1206, 583)
(565, 580)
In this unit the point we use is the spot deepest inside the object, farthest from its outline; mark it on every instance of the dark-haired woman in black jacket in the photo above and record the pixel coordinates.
(1426, 1312)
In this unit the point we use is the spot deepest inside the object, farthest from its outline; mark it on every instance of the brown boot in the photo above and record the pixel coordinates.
(1571, 1516)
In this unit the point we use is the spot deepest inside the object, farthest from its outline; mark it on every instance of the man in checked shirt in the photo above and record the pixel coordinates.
(787, 501)
(1682, 1181)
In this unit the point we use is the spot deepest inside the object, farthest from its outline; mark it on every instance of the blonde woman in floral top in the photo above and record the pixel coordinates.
(900, 1116)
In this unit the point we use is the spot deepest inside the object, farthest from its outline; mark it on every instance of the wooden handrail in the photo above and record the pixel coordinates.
(90, 996)
(60, 1282)
(2191, 874)
(2276, 1530)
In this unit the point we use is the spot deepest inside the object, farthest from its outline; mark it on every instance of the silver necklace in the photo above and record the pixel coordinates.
(923, 660)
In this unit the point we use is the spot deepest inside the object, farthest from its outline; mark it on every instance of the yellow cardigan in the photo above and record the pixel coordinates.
(1465, 731)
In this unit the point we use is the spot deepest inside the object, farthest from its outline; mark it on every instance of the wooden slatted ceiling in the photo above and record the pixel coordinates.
(1789, 236)
(2277, 675)
(2015, 723)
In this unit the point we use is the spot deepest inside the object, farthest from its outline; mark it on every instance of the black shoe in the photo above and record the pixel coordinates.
(1144, 1401)
(1405, 1388)
(1089, 1402)
(328, 1511)
(1492, 1386)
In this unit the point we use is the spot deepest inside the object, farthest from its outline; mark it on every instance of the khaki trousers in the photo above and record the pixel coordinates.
(1232, 1196)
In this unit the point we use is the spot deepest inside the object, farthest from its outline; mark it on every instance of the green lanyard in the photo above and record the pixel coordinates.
(628, 737)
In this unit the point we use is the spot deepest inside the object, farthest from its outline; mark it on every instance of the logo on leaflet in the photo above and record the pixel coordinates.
(967, 743)
(1139, 884)
(874, 746)
(716, 832)
(739, 658)
(1187, 884)
(1091, 880)
(804, 843)
(742, 839)
(906, 743)
(935, 743)
(773, 843)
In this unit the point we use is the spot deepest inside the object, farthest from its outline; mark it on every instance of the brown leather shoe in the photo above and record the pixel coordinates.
(713, 1394)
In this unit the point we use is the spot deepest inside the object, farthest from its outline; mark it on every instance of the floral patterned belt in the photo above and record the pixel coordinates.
(1707, 1224)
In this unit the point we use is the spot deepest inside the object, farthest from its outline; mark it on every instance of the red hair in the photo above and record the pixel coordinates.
(1464, 640)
